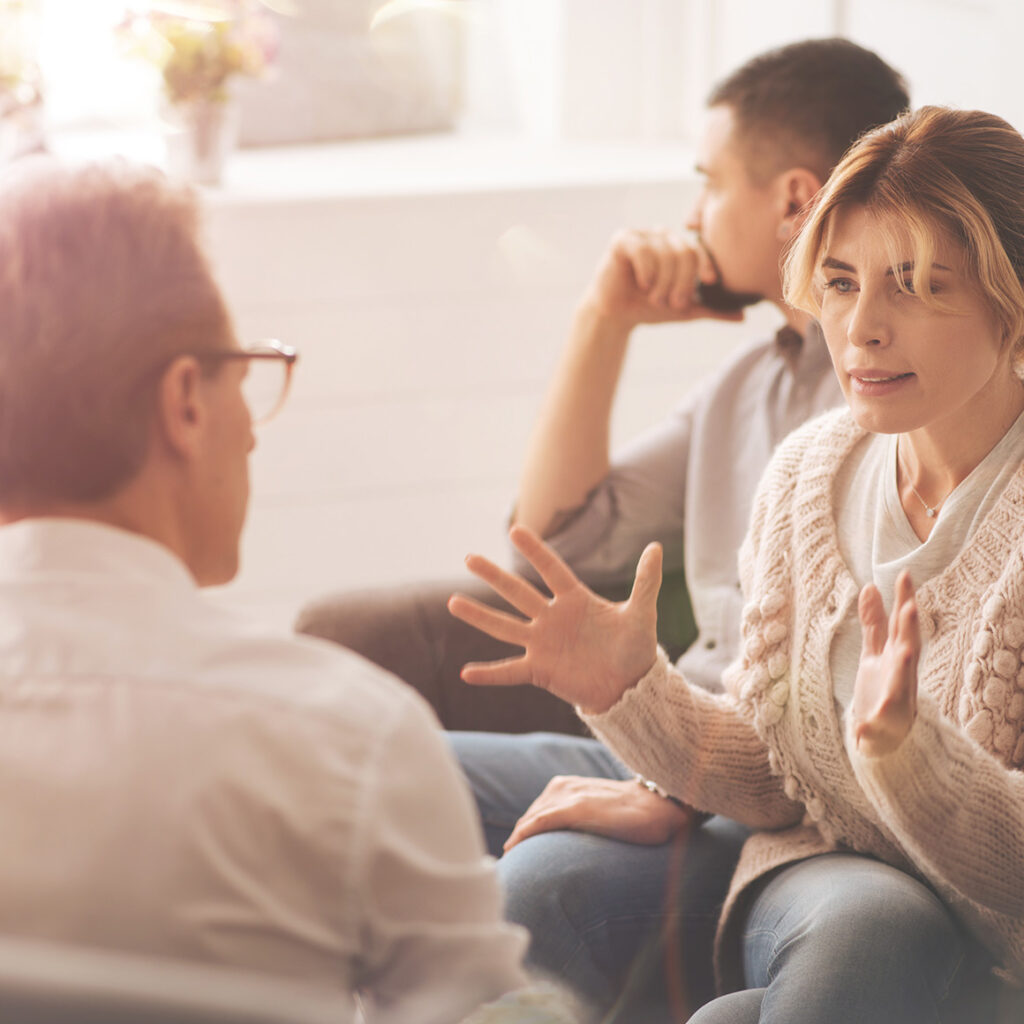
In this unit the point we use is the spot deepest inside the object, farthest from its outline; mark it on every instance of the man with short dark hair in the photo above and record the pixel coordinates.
(174, 781)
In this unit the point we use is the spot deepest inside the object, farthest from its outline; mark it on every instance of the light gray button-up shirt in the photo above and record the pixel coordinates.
(689, 483)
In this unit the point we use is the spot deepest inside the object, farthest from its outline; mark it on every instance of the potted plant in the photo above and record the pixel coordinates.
(198, 48)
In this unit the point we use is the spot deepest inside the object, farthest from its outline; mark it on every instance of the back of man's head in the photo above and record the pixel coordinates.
(806, 103)
(102, 281)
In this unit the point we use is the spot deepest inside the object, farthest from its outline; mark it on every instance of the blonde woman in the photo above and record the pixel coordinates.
(872, 732)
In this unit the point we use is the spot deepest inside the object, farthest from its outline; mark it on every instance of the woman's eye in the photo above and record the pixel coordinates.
(908, 287)
(843, 285)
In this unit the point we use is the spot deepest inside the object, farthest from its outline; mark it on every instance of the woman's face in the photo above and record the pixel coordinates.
(904, 365)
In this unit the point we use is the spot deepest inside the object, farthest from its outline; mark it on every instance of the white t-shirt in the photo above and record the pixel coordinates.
(878, 542)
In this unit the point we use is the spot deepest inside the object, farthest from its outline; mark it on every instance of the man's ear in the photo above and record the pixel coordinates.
(796, 188)
(180, 411)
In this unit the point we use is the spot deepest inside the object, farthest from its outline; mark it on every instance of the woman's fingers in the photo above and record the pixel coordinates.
(616, 808)
(905, 632)
(578, 646)
(506, 672)
(533, 822)
(908, 635)
(902, 593)
(888, 703)
(497, 624)
(647, 582)
(900, 625)
(872, 619)
(904, 587)
(553, 571)
(520, 594)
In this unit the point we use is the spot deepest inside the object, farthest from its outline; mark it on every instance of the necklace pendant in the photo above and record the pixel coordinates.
(931, 513)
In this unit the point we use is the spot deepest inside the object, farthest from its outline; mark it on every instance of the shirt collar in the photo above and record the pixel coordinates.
(39, 546)
(805, 354)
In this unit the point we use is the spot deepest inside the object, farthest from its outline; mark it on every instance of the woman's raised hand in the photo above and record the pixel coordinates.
(885, 692)
(580, 647)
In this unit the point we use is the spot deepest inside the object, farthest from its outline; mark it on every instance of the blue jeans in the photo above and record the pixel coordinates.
(629, 927)
(846, 939)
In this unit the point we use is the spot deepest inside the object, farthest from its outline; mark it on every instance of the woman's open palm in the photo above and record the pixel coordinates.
(580, 647)
(885, 692)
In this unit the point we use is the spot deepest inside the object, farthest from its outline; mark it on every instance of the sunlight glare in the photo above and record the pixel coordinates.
(194, 10)
(286, 8)
(396, 8)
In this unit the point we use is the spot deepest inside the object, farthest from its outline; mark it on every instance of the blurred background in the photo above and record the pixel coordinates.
(414, 194)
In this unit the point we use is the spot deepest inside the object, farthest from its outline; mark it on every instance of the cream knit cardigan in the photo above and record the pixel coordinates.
(772, 751)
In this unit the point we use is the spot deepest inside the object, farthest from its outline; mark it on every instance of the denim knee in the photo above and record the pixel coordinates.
(550, 886)
(549, 891)
(854, 939)
(735, 1008)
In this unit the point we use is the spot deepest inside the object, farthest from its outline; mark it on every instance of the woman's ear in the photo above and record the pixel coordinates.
(797, 187)
(180, 413)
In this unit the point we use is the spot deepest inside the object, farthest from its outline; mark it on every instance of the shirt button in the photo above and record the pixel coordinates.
(709, 645)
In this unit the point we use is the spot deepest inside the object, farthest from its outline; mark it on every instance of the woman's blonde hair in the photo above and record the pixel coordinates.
(932, 173)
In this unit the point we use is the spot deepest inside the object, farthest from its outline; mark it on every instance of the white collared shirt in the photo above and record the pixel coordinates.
(176, 782)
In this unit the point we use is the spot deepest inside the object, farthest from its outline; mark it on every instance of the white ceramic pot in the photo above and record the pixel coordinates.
(200, 135)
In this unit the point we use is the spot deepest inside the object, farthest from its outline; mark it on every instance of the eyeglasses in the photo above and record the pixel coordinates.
(268, 375)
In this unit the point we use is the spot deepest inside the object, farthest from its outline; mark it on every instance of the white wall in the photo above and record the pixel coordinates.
(963, 53)
(641, 68)
(429, 314)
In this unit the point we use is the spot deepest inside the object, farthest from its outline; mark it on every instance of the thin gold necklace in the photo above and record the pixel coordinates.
(931, 511)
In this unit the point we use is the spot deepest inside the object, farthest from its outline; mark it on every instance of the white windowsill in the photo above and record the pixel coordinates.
(407, 165)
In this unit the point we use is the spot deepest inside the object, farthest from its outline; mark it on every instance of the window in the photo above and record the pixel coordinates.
(595, 69)
(403, 76)
(88, 81)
